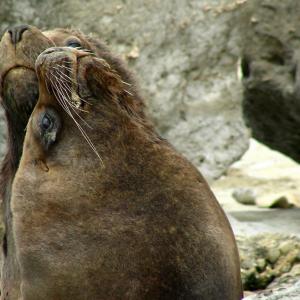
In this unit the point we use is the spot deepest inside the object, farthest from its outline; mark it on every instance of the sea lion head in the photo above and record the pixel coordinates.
(79, 91)
(19, 49)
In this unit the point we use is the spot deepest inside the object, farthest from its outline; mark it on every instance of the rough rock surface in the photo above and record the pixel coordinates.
(267, 259)
(185, 54)
(270, 262)
(270, 68)
(263, 231)
(290, 293)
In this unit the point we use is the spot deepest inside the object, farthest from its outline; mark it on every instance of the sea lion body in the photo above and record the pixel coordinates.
(122, 216)
(139, 222)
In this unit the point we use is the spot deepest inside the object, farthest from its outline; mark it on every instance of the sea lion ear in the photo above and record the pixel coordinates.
(102, 78)
(105, 83)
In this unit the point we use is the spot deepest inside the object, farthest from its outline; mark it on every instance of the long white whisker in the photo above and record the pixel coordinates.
(62, 100)
(73, 107)
(69, 88)
(69, 79)
(126, 83)
(128, 92)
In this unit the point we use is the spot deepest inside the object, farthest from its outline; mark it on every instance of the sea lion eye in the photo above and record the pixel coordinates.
(49, 125)
(74, 44)
(46, 122)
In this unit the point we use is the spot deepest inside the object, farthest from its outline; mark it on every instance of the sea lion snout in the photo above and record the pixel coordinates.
(54, 56)
(20, 46)
(59, 54)
(59, 61)
(16, 33)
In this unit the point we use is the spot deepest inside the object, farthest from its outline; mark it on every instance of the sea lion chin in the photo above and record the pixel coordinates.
(103, 207)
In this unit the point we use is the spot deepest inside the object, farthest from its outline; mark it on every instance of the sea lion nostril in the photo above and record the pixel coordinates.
(56, 49)
(50, 50)
(16, 33)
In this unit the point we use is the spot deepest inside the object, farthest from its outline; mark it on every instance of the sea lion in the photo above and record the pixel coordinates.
(103, 207)
(19, 48)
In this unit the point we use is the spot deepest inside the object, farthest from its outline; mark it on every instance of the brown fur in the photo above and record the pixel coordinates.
(19, 93)
(140, 224)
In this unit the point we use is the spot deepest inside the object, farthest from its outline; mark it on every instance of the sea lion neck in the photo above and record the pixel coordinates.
(20, 98)
(16, 134)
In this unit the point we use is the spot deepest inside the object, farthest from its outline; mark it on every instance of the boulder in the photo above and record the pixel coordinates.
(271, 78)
(269, 261)
(284, 293)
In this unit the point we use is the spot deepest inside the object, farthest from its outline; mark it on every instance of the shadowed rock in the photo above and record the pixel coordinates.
(270, 71)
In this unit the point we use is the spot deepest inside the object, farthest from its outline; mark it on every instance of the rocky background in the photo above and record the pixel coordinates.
(260, 194)
(207, 67)
(186, 67)
(270, 68)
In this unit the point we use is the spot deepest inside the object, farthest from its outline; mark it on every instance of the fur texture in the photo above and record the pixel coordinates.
(140, 224)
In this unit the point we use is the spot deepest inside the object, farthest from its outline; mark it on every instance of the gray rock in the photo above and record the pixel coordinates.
(185, 54)
(244, 196)
(274, 200)
(283, 199)
(266, 258)
(270, 68)
(289, 293)
(277, 221)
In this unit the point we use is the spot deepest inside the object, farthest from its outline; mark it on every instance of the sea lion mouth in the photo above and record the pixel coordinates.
(19, 88)
(16, 70)
(15, 73)
(58, 70)
(13, 68)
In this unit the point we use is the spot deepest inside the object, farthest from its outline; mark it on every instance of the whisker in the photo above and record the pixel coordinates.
(73, 107)
(57, 95)
(77, 94)
(61, 99)
(126, 83)
(103, 62)
(72, 91)
(46, 83)
(65, 67)
(68, 78)
(128, 92)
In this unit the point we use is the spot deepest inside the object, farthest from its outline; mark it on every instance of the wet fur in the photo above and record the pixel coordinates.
(153, 228)
(146, 224)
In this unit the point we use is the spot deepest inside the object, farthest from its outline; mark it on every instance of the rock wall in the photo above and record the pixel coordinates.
(270, 68)
(185, 54)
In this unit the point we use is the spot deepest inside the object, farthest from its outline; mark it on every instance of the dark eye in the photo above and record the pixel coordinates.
(74, 44)
(46, 122)
(48, 127)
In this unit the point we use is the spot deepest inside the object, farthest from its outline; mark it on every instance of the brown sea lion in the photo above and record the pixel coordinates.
(103, 208)
(19, 48)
